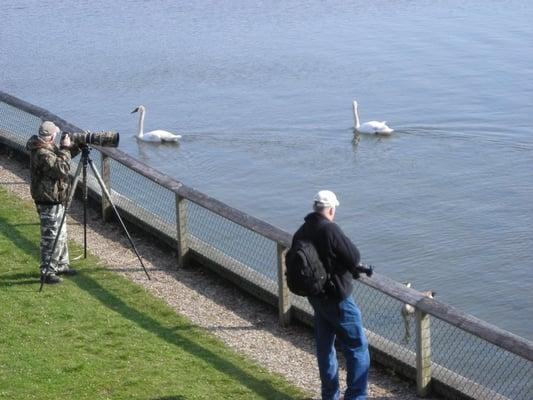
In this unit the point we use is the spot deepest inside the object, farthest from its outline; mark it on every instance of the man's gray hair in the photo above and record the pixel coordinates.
(319, 207)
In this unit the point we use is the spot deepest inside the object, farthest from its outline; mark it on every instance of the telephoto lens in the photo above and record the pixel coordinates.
(104, 139)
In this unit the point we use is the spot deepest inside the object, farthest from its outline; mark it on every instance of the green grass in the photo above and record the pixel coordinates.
(100, 336)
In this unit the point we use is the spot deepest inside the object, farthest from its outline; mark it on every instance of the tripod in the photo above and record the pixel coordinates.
(82, 169)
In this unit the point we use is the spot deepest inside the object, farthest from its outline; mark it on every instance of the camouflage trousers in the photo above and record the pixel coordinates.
(50, 216)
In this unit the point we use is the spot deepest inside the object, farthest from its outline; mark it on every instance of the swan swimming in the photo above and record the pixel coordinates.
(158, 135)
(377, 127)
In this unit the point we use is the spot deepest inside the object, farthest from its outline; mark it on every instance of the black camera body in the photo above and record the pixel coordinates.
(104, 139)
(368, 270)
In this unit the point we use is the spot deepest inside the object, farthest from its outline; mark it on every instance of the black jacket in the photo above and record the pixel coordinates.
(338, 254)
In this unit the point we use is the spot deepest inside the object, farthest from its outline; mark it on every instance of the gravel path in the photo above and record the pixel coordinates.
(242, 322)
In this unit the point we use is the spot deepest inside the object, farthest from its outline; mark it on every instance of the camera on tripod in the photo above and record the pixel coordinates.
(103, 139)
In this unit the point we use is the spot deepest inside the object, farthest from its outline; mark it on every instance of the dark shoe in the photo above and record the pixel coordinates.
(67, 272)
(52, 278)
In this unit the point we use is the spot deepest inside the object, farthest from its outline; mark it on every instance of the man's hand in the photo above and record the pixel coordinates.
(65, 141)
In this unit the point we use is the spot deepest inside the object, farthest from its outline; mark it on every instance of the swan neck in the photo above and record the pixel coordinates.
(356, 117)
(141, 124)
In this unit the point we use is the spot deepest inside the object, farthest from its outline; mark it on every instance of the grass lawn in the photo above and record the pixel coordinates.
(100, 336)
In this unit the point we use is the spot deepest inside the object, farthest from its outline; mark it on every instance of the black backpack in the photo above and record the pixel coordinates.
(306, 275)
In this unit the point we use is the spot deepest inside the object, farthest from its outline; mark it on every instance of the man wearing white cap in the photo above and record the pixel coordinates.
(337, 317)
(50, 182)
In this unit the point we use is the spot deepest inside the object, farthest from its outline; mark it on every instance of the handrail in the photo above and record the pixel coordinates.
(468, 323)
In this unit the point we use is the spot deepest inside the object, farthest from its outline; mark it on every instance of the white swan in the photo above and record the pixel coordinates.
(158, 135)
(376, 127)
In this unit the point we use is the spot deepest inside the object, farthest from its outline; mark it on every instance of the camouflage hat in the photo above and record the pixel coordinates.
(48, 128)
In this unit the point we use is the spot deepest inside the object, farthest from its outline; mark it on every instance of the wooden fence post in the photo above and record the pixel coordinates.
(181, 231)
(423, 353)
(284, 301)
(105, 167)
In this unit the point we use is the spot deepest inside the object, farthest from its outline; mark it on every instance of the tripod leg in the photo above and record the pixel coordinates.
(85, 210)
(63, 218)
(108, 196)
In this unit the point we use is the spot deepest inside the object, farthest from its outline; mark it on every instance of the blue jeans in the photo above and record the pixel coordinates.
(341, 320)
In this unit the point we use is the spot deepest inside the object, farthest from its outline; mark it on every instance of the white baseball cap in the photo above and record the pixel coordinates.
(326, 198)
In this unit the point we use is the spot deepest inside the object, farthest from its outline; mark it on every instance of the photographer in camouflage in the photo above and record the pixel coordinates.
(50, 183)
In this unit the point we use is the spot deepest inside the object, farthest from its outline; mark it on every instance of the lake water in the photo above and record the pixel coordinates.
(262, 92)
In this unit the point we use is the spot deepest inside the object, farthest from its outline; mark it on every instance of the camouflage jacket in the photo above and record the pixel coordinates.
(49, 168)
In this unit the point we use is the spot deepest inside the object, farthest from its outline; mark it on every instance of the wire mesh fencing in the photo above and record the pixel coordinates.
(454, 358)
(476, 367)
(460, 360)
(143, 198)
(17, 126)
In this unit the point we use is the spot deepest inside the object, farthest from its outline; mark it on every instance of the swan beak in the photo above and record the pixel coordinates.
(134, 111)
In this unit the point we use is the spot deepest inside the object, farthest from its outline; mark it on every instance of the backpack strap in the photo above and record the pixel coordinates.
(329, 268)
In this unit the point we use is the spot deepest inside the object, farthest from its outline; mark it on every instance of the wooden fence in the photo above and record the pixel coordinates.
(450, 384)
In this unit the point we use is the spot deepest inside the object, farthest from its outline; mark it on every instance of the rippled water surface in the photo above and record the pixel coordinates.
(262, 91)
